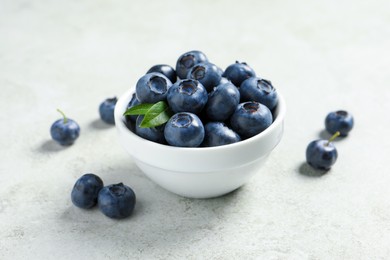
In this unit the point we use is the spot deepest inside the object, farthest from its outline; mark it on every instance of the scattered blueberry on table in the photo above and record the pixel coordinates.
(340, 121)
(85, 191)
(64, 131)
(106, 110)
(322, 154)
(116, 201)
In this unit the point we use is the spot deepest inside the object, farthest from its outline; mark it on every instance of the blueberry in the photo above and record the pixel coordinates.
(187, 95)
(321, 154)
(185, 130)
(116, 201)
(340, 120)
(106, 110)
(206, 73)
(155, 134)
(260, 90)
(64, 131)
(152, 87)
(217, 133)
(223, 81)
(166, 70)
(188, 60)
(85, 191)
(133, 102)
(222, 102)
(238, 72)
(250, 118)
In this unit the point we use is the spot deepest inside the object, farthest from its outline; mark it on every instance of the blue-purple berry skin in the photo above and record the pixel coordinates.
(217, 134)
(184, 130)
(206, 73)
(187, 95)
(238, 72)
(154, 134)
(250, 118)
(85, 191)
(222, 102)
(152, 88)
(106, 110)
(341, 121)
(116, 201)
(321, 154)
(188, 60)
(260, 90)
(166, 70)
(65, 132)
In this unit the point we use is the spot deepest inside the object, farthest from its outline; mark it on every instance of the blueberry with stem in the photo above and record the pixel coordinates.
(65, 130)
(322, 154)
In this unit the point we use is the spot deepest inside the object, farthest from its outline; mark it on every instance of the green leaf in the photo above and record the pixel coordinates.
(140, 109)
(157, 115)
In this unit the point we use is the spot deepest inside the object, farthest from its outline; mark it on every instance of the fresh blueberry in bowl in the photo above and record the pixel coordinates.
(206, 73)
(166, 70)
(155, 134)
(85, 191)
(250, 118)
(238, 72)
(340, 121)
(200, 172)
(152, 87)
(106, 110)
(184, 130)
(116, 201)
(217, 133)
(188, 60)
(133, 102)
(322, 154)
(222, 102)
(187, 95)
(64, 131)
(260, 90)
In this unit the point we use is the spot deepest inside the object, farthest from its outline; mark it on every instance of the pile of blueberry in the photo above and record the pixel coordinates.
(207, 106)
(115, 200)
(322, 154)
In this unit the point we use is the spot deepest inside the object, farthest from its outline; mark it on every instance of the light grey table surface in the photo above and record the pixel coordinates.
(321, 56)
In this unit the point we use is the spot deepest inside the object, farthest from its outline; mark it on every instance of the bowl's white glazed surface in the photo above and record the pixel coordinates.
(203, 172)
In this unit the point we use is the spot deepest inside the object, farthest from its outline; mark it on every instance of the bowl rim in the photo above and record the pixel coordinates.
(120, 122)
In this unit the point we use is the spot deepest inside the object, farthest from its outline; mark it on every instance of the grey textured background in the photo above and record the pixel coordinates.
(321, 55)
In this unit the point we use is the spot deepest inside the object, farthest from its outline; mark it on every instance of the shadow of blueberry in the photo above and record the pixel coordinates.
(306, 170)
(99, 124)
(50, 146)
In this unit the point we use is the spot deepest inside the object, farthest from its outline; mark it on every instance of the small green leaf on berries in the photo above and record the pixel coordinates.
(157, 115)
(140, 109)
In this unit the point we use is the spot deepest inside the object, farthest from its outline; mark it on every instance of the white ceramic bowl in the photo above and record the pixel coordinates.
(204, 172)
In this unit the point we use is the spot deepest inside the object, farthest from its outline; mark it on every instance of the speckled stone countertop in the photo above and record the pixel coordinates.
(321, 55)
